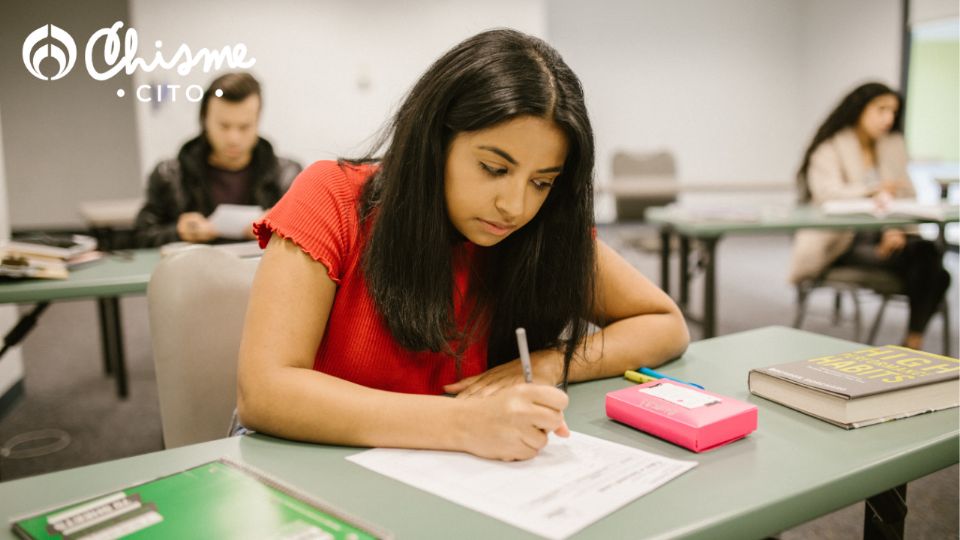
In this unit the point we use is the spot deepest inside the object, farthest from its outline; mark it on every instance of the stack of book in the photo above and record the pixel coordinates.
(46, 256)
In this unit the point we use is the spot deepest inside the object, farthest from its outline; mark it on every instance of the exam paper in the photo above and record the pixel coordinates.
(569, 485)
(234, 220)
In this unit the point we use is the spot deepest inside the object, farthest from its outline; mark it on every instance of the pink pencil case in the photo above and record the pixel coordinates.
(682, 414)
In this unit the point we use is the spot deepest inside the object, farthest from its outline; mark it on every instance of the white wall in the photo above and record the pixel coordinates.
(735, 88)
(931, 10)
(11, 364)
(68, 140)
(311, 56)
(714, 81)
(845, 43)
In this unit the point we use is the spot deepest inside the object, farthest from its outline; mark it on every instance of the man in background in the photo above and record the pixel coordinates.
(228, 163)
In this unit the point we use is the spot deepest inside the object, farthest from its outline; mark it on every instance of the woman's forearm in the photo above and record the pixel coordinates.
(302, 404)
(644, 340)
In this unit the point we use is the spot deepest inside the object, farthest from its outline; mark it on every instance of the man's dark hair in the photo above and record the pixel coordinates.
(236, 87)
(542, 276)
(846, 114)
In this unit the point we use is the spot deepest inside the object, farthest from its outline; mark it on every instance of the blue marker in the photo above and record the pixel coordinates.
(658, 375)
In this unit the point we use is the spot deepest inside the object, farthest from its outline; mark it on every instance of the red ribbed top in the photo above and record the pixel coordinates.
(319, 213)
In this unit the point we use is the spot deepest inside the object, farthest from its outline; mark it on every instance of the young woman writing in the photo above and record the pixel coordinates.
(387, 283)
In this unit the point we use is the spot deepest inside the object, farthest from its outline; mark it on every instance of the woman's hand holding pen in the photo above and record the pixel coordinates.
(547, 369)
(514, 424)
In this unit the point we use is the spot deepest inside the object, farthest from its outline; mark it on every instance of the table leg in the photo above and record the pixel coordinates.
(684, 271)
(665, 238)
(885, 514)
(105, 344)
(709, 287)
(110, 312)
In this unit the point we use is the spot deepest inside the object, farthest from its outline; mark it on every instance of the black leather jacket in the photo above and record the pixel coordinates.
(177, 186)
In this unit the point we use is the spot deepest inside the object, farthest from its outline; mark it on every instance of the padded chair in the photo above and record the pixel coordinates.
(851, 280)
(197, 302)
(640, 181)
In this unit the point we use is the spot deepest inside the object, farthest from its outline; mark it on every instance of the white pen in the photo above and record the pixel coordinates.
(524, 355)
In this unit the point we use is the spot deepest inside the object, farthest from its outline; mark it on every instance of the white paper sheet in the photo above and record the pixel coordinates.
(569, 485)
(894, 207)
(234, 220)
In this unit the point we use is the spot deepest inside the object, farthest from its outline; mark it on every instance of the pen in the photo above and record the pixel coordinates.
(637, 377)
(524, 355)
(657, 375)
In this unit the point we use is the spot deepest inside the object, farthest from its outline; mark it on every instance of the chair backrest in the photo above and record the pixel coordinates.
(641, 180)
(197, 303)
(655, 164)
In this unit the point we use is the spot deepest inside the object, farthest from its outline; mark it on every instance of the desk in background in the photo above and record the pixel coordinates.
(794, 468)
(707, 232)
(106, 280)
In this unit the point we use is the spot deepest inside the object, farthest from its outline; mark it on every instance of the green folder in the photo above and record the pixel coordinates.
(219, 499)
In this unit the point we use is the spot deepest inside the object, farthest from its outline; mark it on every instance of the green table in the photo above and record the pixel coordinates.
(707, 231)
(106, 280)
(791, 470)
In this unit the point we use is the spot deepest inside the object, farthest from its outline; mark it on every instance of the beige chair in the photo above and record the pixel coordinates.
(854, 279)
(641, 180)
(197, 301)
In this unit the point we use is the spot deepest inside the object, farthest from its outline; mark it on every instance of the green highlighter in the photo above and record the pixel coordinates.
(638, 377)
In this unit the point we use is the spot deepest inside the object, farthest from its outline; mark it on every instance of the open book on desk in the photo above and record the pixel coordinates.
(50, 246)
(894, 208)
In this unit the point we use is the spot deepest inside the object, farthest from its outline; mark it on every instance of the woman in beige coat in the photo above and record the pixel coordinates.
(859, 152)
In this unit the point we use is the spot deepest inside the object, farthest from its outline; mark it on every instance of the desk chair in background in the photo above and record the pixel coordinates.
(852, 280)
(642, 180)
(197, 302)
(111, 221)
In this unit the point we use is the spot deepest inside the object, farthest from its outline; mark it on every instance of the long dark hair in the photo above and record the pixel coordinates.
(540, 277)
(845, 115)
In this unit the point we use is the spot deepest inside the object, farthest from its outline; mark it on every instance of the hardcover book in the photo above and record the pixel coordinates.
(220, 499)
(862, 387)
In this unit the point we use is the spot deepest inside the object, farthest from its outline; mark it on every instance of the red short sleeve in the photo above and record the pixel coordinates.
(319, 214)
